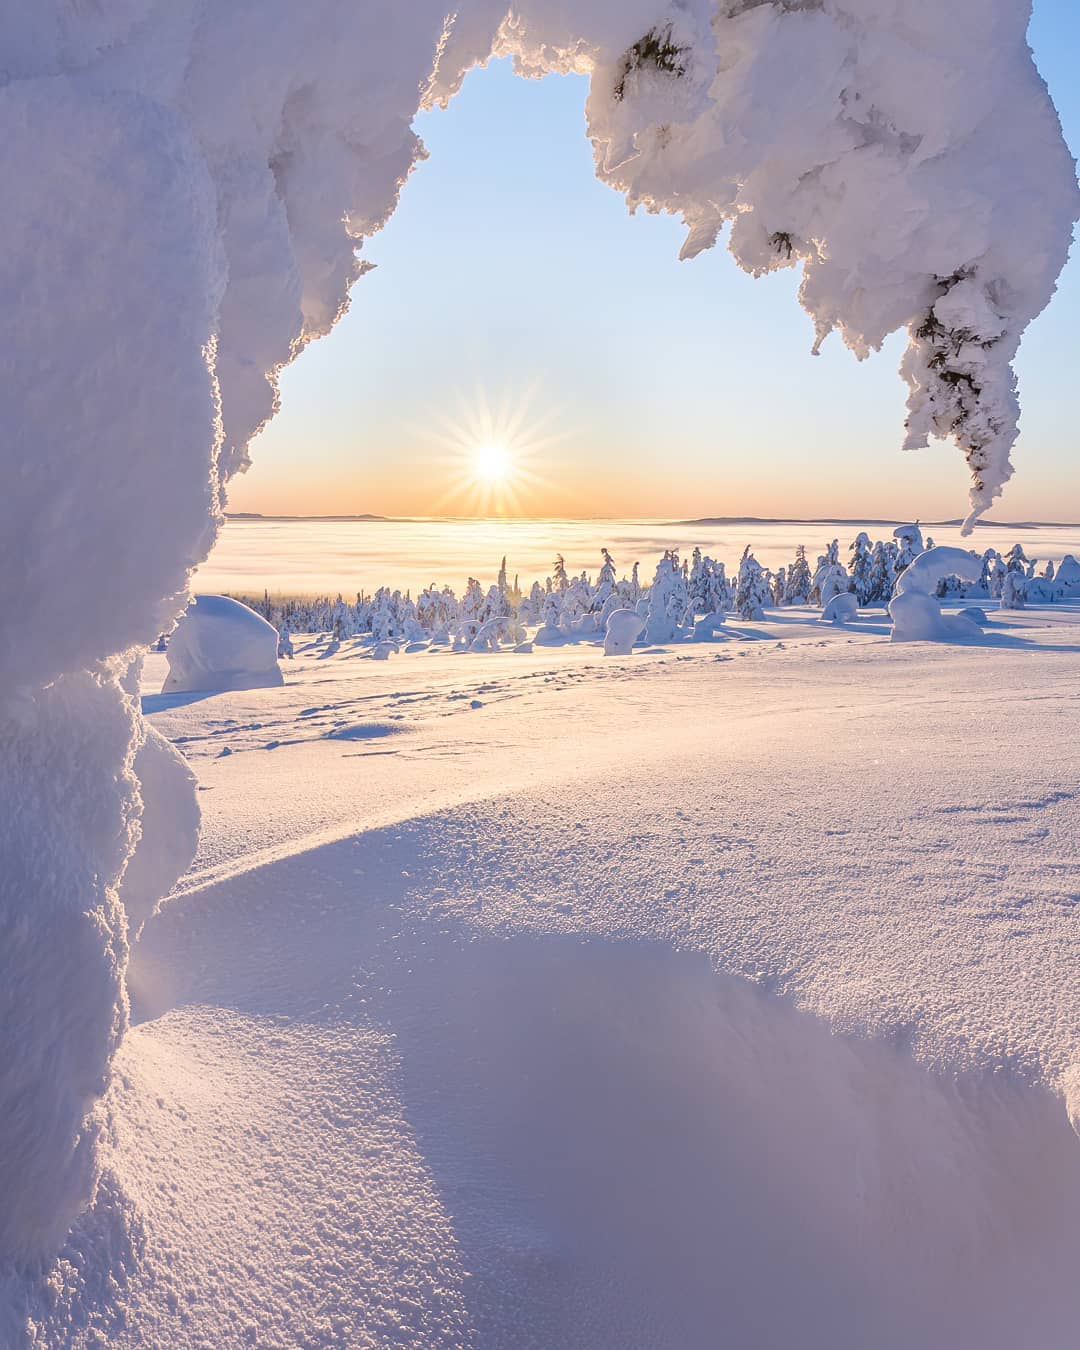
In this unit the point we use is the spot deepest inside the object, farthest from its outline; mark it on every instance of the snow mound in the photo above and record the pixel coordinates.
(708, 625)
(789, 1186)
(221, 644)
(842, 608)
(916, 613)
(1067, 576)
(624, 627)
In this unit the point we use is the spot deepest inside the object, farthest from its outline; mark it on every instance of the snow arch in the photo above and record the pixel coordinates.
(188, 185)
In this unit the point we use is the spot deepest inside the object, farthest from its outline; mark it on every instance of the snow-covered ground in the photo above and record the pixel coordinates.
(723, 994)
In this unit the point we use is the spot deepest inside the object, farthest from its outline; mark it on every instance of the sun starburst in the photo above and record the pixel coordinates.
(491, 453)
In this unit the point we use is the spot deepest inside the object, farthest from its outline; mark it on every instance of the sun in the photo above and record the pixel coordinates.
(491, 455)
(491, 463)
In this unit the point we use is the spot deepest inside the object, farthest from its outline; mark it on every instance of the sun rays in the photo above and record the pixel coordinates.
(492, 455)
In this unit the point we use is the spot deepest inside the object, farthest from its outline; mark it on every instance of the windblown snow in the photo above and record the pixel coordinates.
(701, 995)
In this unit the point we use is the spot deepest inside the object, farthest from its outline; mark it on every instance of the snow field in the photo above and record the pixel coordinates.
(533, 999)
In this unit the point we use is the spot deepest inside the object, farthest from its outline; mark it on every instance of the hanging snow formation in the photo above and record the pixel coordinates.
(187, 184)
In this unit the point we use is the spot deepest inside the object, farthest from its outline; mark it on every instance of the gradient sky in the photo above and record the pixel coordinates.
(511, 279)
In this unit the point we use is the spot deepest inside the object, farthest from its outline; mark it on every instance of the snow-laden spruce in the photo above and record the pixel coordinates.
(187, 186)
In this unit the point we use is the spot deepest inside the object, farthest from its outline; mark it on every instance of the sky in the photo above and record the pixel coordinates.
(515, 300)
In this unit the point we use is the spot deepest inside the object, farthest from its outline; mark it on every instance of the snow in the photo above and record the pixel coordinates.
(221, 644)
(624, 627)
(168, 828)
(188, 188)
(842, 608)
(932, 566)
(707, 626)
(916, 614)
(485, 1033)
(65, 833)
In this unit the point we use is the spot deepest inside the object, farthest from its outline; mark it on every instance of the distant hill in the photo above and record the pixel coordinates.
(257, 515)
(713, 521)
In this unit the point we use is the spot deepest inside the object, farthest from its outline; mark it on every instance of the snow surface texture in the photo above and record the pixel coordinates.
(221, 644)
(226, 160)
(572, 1021)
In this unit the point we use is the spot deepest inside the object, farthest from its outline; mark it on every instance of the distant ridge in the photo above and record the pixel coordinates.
(703, 521)
(257, 515)
(927, 524)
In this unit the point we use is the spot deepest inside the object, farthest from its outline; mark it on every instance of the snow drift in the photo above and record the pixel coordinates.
(635, 1150)
(225, 162)
(221, 644)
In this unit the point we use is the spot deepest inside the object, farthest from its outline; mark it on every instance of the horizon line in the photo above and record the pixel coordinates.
(703, 521)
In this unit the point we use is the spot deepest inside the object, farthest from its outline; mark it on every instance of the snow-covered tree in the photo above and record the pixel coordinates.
(495, 605)
(1013, 590)
(383, 626)
(1016, 559)
(799, 582)
(882, 572)
(668, 599)
(909, 544)
(861, 567)
(472, 602)
(831, 577)
(696, 583)
(532, 606)
(752, 588)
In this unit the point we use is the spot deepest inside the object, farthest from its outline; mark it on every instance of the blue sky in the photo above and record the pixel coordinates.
(646, 386)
